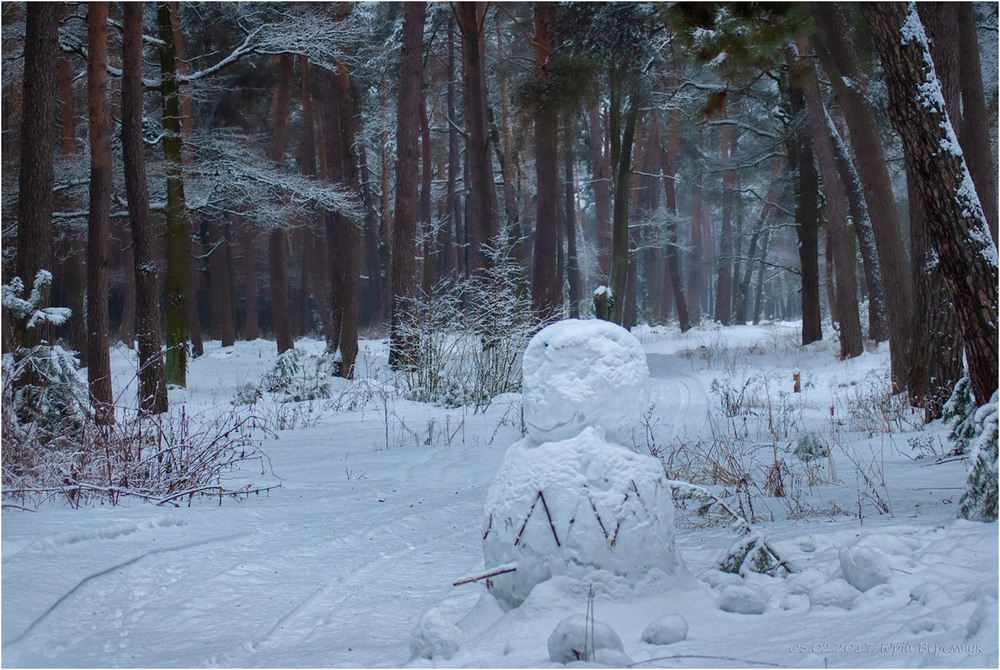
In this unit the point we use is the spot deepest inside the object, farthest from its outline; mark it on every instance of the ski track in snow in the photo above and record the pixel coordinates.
(335, 568)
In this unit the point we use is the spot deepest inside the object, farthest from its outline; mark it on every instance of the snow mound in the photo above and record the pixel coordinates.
(834, 593)
(666, 630)
(865, 567)
(741, 599)
(434, 636)
(580, 373)
(574, 638)
(578, 502)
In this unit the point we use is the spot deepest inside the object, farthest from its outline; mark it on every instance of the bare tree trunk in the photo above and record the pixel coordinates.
(572, 260)
(426, 225)
(724, 288)
(622, 138)
(957, 226)
(402, 354)
(668, 166)
(937, 346)
(251, 328)
(454, 223)
(695, 269)
(974, 131)
(277, 243)
(99, 222)
(175, 234)
(801, 158)
(36, 175)
(482, 202)
(835, 197)
(152, 382)
(841, 63)
(126, 326)
(601, 168)
(546, 288)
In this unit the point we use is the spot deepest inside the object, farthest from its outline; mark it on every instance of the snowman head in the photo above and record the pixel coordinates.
(584, 373)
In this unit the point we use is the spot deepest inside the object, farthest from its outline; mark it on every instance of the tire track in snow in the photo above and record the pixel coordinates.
(89, 578)
(682, 400)
(301, 620)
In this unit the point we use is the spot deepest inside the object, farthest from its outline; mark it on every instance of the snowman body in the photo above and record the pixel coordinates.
(573, 494)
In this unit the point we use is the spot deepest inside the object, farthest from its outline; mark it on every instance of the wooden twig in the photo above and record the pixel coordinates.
(500, 570)
(551, 525)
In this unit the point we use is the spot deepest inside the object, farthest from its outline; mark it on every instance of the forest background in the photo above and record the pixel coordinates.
(180, 171)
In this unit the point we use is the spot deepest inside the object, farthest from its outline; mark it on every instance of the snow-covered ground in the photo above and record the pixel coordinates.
(381, 507)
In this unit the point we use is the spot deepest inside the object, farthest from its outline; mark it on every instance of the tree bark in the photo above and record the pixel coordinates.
(668, 166)
(569, 217)
(601, 170)
(846, 295)
(99, 221)
(840, 60)
(251, 327)
(152, 383)
(807, 229)
(695, 274)
(546, 288)
(958, 228)
(277, 242)
(175, 234)
(724, 287)
(37, 174)
(481, 218)
(402, 349)
(622, 138)
(974, 130)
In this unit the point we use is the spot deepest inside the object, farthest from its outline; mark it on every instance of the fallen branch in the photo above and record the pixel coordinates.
(500, 570)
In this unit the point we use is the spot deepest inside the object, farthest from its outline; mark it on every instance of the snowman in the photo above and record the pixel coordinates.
(573, 495)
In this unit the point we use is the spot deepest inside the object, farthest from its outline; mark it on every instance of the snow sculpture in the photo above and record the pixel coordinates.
(572, 495)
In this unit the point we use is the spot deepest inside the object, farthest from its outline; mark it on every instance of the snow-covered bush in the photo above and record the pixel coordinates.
(980, 498)
(44, 401)
(297, 377)
(434, 636)
(667, 629)
(810, 446)
(958, 411)
(468, 335)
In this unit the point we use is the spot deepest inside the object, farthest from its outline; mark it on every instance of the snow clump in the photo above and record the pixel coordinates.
(584, 373)
(865, 567)
(575, 638)
(834, 593)
(741, 599)
(434, 636)
(666, 630)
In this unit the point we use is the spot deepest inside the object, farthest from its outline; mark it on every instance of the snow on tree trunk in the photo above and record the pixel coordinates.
(956, 224)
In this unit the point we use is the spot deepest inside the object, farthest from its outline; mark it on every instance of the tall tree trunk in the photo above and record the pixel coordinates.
(508, 163)
(99, 222)
(126, 326)
(758, 234)
(569, 217)
(958, 228)
(277, 243)
(546, 289)
(36, 175)
(878, 323)
(937, 346)
(601, 168)
(430, 251)
(402, 349)
(758, 303)
(623, 138)
(974, 130)
(373, 261)
(481, 218)
(152, 382)
(840, 60)
(695, 267)
(175, 234)
(724, 288)
(668, 166)
(251, 327)
(846, 297)
(800, 156)
(221, 287)
(454, 223)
